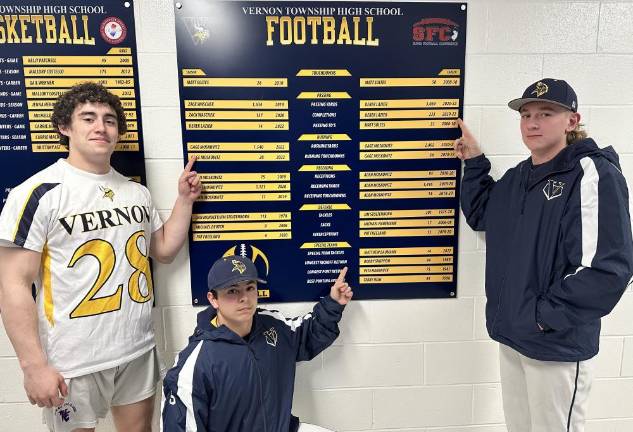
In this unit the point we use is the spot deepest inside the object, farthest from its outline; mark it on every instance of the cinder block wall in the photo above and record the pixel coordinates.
(416, 366)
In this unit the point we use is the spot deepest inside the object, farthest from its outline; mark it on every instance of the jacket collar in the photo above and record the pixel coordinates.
(207, 328)
(566, 160)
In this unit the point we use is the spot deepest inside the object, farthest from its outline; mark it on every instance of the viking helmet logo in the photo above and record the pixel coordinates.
(107, 193)
(541, 89)
(238, 266)
(198, 29)
(255, 254)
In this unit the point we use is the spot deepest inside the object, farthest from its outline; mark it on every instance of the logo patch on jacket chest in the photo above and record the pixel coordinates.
(271, 336)
(553, 189)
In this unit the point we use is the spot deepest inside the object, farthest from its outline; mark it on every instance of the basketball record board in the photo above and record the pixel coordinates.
(45, 48)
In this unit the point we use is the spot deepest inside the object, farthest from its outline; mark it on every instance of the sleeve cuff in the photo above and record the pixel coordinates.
(330, 304)
(475, 161)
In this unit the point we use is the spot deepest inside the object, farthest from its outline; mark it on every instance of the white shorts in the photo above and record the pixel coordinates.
(91, 396)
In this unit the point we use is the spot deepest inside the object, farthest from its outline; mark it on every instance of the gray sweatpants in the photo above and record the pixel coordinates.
(544, 396)
(306, 427)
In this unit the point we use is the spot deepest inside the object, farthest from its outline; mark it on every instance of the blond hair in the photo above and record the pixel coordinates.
(577, 134)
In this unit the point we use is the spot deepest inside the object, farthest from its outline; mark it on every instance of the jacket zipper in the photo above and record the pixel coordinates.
(526, 188)
(549, 174)
(261, 386)
(494, 322)
(524, 199)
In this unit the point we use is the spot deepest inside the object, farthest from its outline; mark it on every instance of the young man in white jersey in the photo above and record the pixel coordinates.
(82, 233)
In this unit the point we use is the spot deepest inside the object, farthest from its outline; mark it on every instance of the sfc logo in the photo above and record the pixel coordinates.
(113, 30)
(435, 32)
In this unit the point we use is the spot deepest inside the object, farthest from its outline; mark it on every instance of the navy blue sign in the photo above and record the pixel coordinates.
(45, 48)
(323, 133)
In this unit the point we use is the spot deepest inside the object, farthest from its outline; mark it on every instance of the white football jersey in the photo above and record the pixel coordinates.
(94, 290)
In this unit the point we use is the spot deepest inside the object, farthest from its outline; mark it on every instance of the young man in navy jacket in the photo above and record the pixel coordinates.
(559, 255)
(237, 373)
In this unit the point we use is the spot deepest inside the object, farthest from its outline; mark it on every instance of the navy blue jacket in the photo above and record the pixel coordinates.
(559, 250)
(222, 383)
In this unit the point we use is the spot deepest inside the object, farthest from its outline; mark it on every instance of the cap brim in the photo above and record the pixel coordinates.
(516, 104)
(235, 280)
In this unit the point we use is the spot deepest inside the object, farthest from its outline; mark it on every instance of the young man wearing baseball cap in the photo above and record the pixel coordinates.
(238, 371)
(559, 255)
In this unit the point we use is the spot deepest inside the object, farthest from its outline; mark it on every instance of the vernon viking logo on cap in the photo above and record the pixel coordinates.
(550, 90)
(238, 266)
(541, 89)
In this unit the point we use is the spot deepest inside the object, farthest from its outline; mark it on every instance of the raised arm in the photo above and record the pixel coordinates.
(167, 241)
(320, 328)
(476, 182)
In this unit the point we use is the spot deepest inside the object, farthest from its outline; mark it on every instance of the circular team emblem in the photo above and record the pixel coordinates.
(113, 30)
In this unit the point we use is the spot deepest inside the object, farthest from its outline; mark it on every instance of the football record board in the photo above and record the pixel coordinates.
(323, 133)
(45, 48)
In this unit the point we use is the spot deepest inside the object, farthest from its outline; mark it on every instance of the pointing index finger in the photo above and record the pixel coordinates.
(341, 275)
(465, 131)
(189, 165)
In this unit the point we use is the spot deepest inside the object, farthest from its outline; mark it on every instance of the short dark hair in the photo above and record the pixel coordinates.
(81, 94)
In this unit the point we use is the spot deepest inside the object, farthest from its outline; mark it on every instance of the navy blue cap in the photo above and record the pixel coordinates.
(549, 90)
(230, 270)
